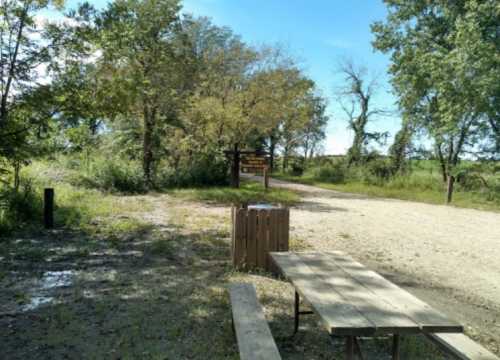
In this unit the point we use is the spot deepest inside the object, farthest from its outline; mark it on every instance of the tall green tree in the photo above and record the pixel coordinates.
(24, 53)
(445, 59)
(139, 66)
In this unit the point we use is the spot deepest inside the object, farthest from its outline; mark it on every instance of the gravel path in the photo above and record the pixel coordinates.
(447, 255)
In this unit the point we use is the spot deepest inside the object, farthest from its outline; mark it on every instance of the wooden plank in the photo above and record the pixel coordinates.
(239, 257)
(461, 346)
(337, 314)
(428, 318)
(386, 318)
(273, 238)
(262, 238)
(284, 229)
(255, 341)
(251, 238)
(287, 230)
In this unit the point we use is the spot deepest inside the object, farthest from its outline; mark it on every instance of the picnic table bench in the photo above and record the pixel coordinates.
(461, 347)
(353, 301)
(255, 341)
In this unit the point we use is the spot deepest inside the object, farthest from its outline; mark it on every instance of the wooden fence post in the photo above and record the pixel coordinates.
(48, 208)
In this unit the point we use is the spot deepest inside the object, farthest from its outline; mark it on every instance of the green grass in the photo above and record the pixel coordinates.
(249, 192)
(426, 191)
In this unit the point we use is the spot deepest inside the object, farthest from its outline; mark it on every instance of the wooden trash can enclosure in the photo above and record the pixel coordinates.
(258, 230)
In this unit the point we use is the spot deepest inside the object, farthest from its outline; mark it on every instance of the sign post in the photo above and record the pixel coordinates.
(248, 162)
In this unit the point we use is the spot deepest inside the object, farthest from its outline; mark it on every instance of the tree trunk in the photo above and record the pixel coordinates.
(449, 191)
(235, 167)
(17, 181)
(354, 153)
(147, 159)
(285, 159)
(442, 163)
(272, 150)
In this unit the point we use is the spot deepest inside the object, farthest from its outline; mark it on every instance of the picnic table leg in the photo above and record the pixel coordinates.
(395, 347)
(296, 318)
(349, 348)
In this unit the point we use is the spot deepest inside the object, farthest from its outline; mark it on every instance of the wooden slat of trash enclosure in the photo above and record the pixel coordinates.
(251, 237)
(239, 240)
(338, 315)
(284, 229)
(386, 318)
(262, 238)
(428, 318)
(256, 233)
(255, 341)
(273, 238)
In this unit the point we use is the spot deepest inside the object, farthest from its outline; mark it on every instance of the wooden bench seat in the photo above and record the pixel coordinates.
(461, 346)
(255, 341)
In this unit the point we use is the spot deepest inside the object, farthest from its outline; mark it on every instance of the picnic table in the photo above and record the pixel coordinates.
(353, 301)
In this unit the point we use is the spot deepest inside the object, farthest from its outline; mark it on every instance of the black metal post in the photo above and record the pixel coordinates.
(48, 208)
(395, 347)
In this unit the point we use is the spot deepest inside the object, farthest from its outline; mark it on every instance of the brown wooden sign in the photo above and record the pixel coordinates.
(253, 163)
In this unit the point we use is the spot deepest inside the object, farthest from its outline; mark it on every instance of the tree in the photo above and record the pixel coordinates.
(314, 130)
(355, 98)
(23, 53)
(444, 56)
(139, 66)
(402, 145)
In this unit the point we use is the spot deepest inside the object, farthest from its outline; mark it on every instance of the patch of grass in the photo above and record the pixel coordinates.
(249, 192)
(429, 193)
(164, 247)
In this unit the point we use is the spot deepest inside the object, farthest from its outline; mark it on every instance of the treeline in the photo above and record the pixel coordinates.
(139, 96)
(445, 72)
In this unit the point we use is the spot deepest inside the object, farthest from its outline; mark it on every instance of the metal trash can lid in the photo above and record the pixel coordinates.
(263, 207)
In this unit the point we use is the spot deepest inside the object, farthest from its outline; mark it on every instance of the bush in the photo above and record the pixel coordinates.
(116, 176)
(297, 169)
(19, 207)
(378, 171)
(203, 171)
(334, 172)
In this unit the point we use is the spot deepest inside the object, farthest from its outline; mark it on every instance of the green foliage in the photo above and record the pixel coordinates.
(111, 174)
(247, 193)
(202, 171)
(478, 183)
(19, 207)
(334, 172)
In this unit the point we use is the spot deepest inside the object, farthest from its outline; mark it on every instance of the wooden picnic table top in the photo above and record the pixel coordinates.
(352, 300)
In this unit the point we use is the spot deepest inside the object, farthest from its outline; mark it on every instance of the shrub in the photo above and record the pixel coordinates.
(297, 169)
(116, 176)
(334, 172)
(378, 170)
(202, 171)
(19, 207)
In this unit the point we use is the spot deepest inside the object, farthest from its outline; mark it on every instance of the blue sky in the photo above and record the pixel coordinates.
(318, 33)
